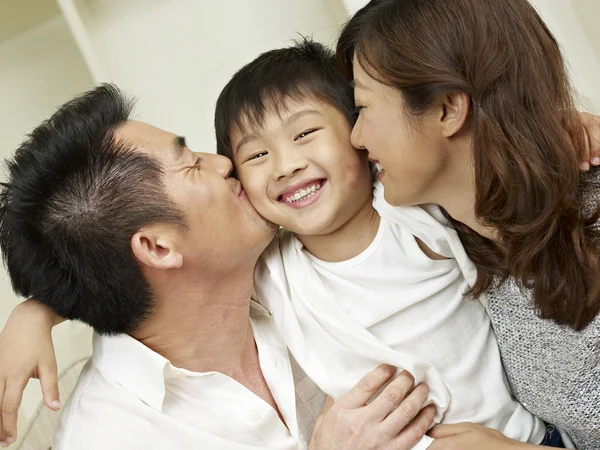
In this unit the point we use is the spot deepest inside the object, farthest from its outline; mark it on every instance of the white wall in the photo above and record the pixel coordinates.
(39, 70)
(176, 55)
(578, 51)
(354, 5)
(588, 12)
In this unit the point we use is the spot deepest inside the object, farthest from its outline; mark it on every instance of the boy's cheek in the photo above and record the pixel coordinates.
(260, 201)
(356, 175)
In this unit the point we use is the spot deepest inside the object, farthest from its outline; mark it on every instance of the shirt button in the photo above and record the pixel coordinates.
(255, 414)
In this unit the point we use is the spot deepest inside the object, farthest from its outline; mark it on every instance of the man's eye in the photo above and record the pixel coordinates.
(257, 155)
(303, 134)
(198, 163)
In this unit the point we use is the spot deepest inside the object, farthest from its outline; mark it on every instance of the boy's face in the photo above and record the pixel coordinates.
(300, 170)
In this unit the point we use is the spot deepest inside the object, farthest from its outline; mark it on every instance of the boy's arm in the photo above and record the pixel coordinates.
(26, 351)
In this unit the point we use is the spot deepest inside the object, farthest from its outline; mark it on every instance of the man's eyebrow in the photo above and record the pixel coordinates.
(179, 145)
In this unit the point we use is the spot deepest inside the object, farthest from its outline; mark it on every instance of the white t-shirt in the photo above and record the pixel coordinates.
(393, 304)
(130, 398)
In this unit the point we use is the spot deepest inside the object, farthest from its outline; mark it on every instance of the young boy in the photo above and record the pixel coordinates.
(354, 282)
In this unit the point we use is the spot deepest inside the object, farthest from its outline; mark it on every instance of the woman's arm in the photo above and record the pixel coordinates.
(468, 436)
(26, 351)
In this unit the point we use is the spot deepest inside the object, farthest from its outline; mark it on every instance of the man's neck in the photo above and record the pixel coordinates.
(200, 321)
(349, 240)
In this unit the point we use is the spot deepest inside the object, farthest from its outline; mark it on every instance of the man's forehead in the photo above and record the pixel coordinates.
(166, 147)
(144, 135)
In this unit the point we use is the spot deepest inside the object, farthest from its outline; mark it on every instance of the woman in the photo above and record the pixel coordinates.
(467, 104)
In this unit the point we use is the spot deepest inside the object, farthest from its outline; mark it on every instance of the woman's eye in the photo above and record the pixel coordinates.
(303, 134)
(257, 155)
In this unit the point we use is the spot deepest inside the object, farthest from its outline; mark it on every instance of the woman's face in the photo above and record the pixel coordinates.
(409, 149)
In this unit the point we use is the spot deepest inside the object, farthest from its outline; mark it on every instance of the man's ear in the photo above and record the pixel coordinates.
(453, 112)
(154, 246)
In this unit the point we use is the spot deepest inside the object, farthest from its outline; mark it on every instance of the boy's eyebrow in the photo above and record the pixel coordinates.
(299, 115)
(245, 140)
(286, 123)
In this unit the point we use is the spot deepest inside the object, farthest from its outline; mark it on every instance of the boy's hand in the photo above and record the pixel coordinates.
(26, 351)
(591, 151)
(393, 420)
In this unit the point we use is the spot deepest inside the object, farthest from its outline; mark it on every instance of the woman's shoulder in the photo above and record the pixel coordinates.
(553, 370)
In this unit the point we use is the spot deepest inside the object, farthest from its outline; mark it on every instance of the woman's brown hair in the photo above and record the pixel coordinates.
(526, 166)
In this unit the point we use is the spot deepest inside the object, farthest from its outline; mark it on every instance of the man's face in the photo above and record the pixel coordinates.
(222, 225)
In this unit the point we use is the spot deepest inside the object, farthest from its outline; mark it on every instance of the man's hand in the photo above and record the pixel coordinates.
(393, 420)
(468, 436)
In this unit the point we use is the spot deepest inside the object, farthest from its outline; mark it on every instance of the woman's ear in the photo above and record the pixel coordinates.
(454, 111)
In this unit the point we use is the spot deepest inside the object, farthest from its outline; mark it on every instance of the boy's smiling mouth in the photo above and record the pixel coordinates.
(302, 194)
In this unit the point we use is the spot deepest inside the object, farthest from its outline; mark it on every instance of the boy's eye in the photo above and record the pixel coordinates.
(303, 134)
(257, 155)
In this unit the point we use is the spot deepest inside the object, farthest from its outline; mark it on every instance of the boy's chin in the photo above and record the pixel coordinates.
(312, 229)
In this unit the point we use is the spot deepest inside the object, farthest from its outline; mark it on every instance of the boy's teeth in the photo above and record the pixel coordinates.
(302, 194)
(379, 166)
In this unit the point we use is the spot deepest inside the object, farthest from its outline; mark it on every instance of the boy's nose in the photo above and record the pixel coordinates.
(289, 165)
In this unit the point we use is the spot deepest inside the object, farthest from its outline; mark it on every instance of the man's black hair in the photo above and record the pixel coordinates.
(74, 198)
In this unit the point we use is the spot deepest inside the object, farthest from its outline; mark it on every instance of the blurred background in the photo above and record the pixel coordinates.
(175, 56)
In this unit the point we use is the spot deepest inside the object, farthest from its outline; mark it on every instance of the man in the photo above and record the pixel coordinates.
(120, 225)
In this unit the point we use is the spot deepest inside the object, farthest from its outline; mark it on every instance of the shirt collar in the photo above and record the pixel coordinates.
(132, 365)
(140, 369)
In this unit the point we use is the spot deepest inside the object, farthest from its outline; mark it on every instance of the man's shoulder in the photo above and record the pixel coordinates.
(101, 414)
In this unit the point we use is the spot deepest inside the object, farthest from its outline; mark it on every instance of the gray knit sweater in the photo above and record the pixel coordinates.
(553, 371)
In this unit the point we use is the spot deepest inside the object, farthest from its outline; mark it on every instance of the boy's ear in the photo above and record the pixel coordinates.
(154, 246)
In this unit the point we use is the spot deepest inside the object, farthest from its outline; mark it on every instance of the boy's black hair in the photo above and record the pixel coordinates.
(305, 70)
(74, 198)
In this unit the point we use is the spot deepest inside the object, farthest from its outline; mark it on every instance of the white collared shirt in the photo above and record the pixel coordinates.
(129, 397)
